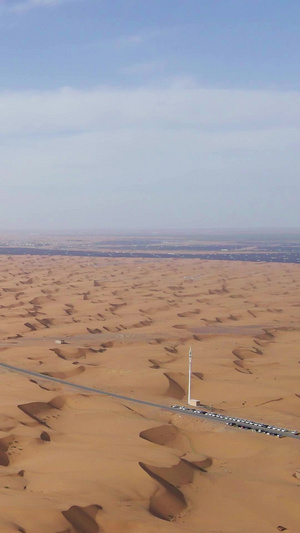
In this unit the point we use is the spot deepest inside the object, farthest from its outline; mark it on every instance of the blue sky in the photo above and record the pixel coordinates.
(139, 114)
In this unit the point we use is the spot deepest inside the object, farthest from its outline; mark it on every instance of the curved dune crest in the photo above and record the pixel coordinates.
(41, 411)
(197, 338)
(180, 474)
(48, 387)
(239, 366)
(246, 353)
(40, 300)
(94, 331)
(46, 322)
(63, 375)
(154, 364)
(297, 474)
(108, 344)
(69, 353)
(168, 502)
(159, 340)
(171, 349)
(5, 444)
(142, 323)
(211, 322)
(28, 281)
(30, 326)
(175, 389)
(198, 461)
(188, 314)
(224, 290)
(83, 518)
(13, 306)
(199, 375)
(166, 435)
(266, 336)
(234, 317)
(4, 459)
(58, 402)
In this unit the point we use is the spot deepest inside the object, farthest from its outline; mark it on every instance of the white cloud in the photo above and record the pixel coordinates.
(137, 39)
(147, 67)
(27, 5)
(175, 107)
(163, 147)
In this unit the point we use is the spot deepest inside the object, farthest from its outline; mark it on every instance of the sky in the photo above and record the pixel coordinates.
(149, 114)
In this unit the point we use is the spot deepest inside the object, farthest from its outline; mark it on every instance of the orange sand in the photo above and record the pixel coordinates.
(72, 462)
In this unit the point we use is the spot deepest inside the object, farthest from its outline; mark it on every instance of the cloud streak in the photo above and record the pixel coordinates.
(106, 152)
(28, 5)
(177, 106)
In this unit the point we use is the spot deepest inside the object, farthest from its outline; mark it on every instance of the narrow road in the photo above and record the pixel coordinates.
(185, 412)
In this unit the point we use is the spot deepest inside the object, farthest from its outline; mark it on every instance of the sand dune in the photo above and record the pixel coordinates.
(83, 518)
(166, 435)
(142, 323)
(5, 289)
(65, 454)
(39, 301)
(197, 338)
(198, 461)
(175, 389)
(47, 322)
(167, 502)
(69, 353)
(245, 353)
(180, 474)
(266, 336)
(67, 374)
(199, 375)
(189, 313)
(30, 326)
(240, 367)
(43, 412)
(171, 349)
(94, 331)
(155, 364)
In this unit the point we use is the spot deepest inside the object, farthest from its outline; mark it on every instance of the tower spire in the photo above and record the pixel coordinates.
(190, 375)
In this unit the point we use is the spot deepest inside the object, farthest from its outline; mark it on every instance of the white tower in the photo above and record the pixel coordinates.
(190, 375)
(190, 401)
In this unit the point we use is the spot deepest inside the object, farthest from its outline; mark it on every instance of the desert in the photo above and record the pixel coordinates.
(80, 462)
(149, 266)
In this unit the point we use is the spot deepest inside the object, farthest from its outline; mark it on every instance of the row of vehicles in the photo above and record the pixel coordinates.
(240, 422)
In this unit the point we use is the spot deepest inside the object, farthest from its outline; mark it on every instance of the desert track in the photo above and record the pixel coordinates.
(121, 397)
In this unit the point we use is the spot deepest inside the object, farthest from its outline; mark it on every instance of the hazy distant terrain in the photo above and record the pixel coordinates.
(278, 247)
